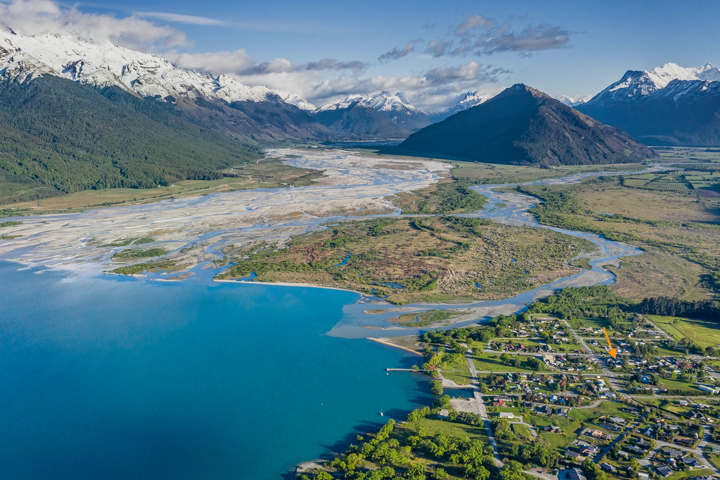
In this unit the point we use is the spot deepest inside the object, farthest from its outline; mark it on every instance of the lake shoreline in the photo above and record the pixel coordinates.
(386, 341)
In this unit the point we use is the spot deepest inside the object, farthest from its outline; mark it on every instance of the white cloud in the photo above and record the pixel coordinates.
(434, 89)
(36, 17)
(397, 53)
(213, 62)
(319, 81)
(474, 21)
(177, 18)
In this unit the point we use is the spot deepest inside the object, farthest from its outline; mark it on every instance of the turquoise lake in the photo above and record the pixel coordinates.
(113, 378)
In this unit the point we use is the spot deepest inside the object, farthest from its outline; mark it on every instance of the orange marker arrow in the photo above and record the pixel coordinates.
(612, 351)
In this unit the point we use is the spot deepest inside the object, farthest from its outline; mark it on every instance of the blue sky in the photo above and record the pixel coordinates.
(559, 47)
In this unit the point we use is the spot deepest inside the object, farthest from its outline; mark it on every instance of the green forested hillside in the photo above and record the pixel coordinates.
(57, 137)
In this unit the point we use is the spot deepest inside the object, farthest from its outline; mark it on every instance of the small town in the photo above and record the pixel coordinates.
(573, 389)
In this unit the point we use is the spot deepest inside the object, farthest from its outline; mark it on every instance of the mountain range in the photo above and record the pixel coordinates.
(381, 116)
(669, 105)
(121, 118)
(524, 126)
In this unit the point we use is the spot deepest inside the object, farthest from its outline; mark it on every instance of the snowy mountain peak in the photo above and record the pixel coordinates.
(24, 57)
(662, 76)
(640, 83)
(574, 100)
(383, 101)
(466, 101)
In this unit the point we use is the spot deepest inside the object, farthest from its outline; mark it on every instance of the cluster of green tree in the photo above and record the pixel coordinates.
(502, 430)
(436, 387)
(451, 198)
(646, 350)
(129, 254)
(9, 224)
(141, 267)
(103, 139)
(673, 307)
(436, 358)
(466, 458)
(538, 452)
(597, 301)
(593, 471)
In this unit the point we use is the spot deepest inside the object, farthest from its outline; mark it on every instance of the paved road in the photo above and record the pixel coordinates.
(697, 451)
(540, 473)
(481, 410)
(577, 337)
(628, 431)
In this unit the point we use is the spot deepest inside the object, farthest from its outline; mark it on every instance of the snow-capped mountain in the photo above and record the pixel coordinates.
(574, 100)
(218, 102)
(297, 100)
(468, 100)
(392, 106)
(638, 83)
(669, 105)
(104, 65)
(383, 102)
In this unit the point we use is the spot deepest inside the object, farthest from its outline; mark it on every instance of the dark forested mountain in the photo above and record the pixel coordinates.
(69, 137)
(524, 126)
(669, 105)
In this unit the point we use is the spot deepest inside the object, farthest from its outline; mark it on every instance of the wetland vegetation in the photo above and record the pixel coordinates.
(669, 215)
(418, 259)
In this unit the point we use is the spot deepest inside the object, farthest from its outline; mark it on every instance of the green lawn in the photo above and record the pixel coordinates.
(458, 372)
(522, 432)
(690, 473)
(702, 332)
(714, 460)
(678, 385)
(490, 364)
(452, 429)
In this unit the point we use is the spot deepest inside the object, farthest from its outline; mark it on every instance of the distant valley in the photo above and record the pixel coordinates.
(125, 119)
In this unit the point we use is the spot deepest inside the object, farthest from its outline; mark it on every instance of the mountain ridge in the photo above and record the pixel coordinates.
(523, 125)
(669, 105)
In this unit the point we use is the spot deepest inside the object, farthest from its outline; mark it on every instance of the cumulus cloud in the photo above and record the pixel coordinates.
(37, 17)
(397, 53)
